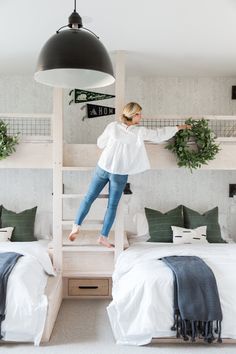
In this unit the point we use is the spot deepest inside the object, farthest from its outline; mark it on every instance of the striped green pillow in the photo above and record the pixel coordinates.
(23, 224)
(193, 219)
(159, 224)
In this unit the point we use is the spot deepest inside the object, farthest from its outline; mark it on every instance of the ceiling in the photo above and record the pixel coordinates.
(159, 37)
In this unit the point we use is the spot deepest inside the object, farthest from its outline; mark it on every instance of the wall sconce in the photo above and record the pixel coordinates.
(232, 194)
(233, 93)
(127, 197)
(232, 190)
(127, 189)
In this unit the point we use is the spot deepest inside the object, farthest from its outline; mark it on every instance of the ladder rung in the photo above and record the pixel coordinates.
(75, 248)
(86, 222)
(77, 168)
(65, 196)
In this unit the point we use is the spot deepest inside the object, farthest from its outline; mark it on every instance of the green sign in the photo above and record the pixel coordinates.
(80, 96)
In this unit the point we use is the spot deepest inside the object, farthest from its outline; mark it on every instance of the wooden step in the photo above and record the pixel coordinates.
(81, 195)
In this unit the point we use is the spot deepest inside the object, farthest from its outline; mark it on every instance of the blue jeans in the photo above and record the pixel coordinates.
(116, 186)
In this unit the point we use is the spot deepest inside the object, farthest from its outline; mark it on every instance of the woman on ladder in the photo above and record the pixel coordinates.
(123, 154)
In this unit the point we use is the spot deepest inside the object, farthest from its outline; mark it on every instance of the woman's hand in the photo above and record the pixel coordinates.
(184, 126)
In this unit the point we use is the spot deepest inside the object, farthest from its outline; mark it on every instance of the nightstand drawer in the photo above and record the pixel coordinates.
(88, 287)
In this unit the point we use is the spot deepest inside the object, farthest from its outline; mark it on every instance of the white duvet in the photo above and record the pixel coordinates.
(26, 304)
(142, 306)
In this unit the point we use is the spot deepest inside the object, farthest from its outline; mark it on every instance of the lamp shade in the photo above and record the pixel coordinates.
(74, 58)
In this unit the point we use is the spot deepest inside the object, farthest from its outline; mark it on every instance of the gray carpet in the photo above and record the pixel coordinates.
(82, 327)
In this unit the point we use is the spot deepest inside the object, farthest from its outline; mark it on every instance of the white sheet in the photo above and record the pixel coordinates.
(26, 304)
(142, 306)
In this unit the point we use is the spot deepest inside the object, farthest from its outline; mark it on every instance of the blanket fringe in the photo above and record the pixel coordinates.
(190, 330)
(2, 318)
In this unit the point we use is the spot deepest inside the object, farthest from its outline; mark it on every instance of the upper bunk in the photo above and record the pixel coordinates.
(36, 147)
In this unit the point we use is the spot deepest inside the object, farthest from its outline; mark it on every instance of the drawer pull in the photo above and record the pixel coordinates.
(87, 287)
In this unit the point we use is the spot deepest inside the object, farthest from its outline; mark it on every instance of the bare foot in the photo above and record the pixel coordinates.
(74, 233)
(102, 240)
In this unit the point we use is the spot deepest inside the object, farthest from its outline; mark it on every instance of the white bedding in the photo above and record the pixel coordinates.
(26, 304)
(142, 306)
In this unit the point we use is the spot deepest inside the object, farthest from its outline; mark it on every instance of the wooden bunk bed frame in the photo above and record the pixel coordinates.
(78, 157)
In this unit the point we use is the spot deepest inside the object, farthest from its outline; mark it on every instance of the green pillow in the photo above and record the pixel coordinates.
(23, 224)
(160, 224)
(193, 219)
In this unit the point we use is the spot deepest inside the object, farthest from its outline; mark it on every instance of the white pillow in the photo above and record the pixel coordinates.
(43, 225)
(141, 223)
(142, 231)
(225, 233)
(134, 238)
(182, 235)
(5, 234)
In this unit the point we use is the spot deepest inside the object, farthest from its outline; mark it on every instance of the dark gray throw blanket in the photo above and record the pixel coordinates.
(7, 263)
(197, 310)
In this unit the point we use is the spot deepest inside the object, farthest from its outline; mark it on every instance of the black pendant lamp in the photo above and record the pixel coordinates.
(74, 58)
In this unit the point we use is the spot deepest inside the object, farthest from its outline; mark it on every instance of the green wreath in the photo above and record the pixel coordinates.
(194, 147)
(7, 143)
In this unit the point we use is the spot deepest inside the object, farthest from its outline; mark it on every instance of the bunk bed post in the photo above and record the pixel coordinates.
(57, 176)
(120, 82)
(119, 229)
(120, 99)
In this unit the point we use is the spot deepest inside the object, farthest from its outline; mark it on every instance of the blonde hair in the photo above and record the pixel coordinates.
(129, 111)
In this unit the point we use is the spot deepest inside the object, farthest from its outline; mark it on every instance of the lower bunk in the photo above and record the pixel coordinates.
(142, 309)
(33, 296)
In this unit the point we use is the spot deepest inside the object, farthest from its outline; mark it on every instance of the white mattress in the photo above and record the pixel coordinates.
(26, 303)
(142, 305)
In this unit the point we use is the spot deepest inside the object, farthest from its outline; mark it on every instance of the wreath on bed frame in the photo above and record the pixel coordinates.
(7, 143)
(194, 147)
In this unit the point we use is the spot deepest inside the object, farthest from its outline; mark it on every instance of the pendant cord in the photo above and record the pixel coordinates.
(75, 6)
